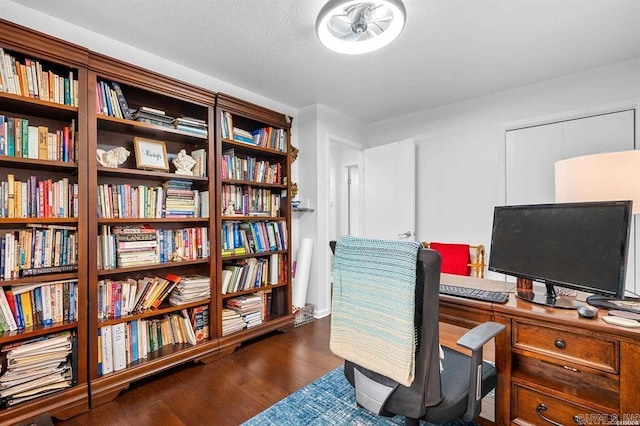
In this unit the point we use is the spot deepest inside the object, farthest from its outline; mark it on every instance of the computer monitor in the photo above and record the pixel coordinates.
(581, 246)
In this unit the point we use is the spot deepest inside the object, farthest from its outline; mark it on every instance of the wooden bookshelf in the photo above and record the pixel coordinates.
(98, 128)
(277, 314)
(143, 88)
(68, 61)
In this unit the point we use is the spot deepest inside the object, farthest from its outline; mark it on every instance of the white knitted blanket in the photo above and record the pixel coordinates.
(373, 307)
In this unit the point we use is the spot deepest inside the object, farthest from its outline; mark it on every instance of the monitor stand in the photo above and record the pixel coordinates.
(550, 298)
(628, 304)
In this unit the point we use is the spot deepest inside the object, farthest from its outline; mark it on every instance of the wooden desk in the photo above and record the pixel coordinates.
(552, 363)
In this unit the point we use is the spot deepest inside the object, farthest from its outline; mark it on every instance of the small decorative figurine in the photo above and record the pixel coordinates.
(230, 210)
(112, 158)
(184, 163)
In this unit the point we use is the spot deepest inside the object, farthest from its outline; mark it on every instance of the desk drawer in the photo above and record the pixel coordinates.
(582, 349)
(530, 407)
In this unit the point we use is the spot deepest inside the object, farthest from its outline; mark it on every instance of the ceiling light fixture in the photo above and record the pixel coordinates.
(354, 27)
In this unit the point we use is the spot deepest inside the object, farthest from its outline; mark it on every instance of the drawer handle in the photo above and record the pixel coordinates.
(575, 370)
(560, 344)
(543, 407)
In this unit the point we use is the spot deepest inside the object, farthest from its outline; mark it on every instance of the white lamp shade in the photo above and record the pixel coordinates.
(602, 177)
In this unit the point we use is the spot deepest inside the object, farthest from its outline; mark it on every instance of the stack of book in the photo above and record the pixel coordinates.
(36, 367)
(180, 200)
(191, 125)
(153, 116)
(231, 321)
(249, 307)
(241, 135)
(137, 245)
(190, 288)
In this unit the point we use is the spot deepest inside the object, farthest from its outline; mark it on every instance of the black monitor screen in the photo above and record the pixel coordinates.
(581, 246)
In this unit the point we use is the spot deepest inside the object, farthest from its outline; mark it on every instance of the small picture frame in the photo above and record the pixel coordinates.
(151, 154)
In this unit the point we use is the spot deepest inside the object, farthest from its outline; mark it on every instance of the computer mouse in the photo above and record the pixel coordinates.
(585, 311)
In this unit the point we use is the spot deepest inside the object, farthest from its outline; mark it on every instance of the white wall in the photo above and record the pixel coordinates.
(318, 127)
(460, 168)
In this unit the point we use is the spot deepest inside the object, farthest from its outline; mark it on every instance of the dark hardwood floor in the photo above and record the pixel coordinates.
(225, 392)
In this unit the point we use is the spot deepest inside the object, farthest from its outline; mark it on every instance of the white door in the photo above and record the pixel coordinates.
(388, 186)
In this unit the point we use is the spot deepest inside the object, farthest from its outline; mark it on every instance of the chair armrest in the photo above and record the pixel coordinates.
(478, 336)
(474, 340)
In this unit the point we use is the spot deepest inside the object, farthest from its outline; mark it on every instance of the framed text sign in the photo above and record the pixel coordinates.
(151, 154)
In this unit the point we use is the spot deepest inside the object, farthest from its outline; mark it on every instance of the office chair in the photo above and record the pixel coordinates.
(442, 389)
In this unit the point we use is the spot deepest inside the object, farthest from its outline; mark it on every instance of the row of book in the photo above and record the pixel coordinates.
(122, 247)
(35, 198)
(253, 272)
(36, 367)
(127, 342)
(29, 78)
(253, 237)
(119, 298)
(111, 101)
(246, 201)
(19, 139)
(141, 201)
(38, 249)
(38, 304)
(249, 169)
(200, 168)
(265, 137)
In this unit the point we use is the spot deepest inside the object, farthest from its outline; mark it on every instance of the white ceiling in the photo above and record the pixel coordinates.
(450, 50)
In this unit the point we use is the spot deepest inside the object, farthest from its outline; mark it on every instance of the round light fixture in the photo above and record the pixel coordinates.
(354, 27)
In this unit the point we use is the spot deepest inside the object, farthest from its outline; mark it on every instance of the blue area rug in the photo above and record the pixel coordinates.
(329, 400)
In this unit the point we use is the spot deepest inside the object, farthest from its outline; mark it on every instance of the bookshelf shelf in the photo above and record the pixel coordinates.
(151, 267)
(40, 278)
(253, 290)
(33, 332)
(254, 184)
(117, 124)
(42, 221)
(71, 168)
(21, 105)
(147, 174)
(246, 148)
(185, 220)
(153, 312)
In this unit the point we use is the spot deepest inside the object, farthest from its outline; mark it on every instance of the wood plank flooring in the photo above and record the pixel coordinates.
(234, 389)
(225, 392)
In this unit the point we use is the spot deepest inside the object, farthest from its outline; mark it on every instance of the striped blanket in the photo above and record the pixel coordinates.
(372, 320)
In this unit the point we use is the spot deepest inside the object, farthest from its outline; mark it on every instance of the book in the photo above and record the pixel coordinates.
(7, 312)
(119, 346)
(124, 106)
(107, 349)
